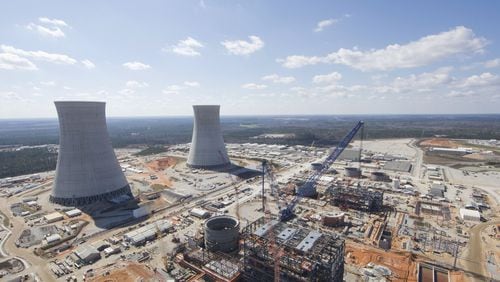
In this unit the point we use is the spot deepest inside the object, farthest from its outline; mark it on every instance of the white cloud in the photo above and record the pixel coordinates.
(88, 64)
(187, 47)
(40, 55)
(492, 63)
(126, 92)
(254, 86)
(327, 78)
(321, 25)
(48, 83)
(459, 94)
(483, 80)
(192, 83)
(424, 82)
(136, 84)
(279, 79)
(46, 31)
(424, 51)
(175, 89)
(12, 62)
(298, 61)
(53, 21)
(10, 95)
(325, 23)
(242, 47)
(136, 66)
(49, 27)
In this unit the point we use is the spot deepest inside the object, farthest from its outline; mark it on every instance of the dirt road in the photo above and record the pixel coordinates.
(474, 259)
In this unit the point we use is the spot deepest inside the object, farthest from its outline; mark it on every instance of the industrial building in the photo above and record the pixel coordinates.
(472, 215)
(87, 169)
(53, 217)
(357, 198)
(87, 254)
(207, 145)
(149, 232)
(302, 254)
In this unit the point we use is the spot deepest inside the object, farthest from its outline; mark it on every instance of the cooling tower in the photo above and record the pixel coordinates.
(207, 146)
(87, 168)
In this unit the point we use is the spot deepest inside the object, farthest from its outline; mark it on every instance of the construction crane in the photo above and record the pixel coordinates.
(274, 248)
(287, 212)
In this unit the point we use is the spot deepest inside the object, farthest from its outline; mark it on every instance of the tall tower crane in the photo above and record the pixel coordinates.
(287, 212)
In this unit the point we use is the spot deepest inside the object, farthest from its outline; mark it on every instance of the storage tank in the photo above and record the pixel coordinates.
(87, 169)
(352, 172)
(222, 233)
(378, 176)
(207, 145)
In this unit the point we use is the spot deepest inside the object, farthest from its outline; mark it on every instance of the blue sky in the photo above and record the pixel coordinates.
(157, 58)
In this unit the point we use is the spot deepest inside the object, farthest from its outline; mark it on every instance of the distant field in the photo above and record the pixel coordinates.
(292, 130)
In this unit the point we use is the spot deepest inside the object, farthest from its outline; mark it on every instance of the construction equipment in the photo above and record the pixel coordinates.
(274, 248)
(310, 184)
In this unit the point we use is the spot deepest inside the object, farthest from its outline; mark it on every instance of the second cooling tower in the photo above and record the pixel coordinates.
(207, 146)
(87, 169)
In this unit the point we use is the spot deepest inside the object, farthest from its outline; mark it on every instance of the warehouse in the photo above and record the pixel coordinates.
(53, 217)
(148, 232)
(472, 215)
(73, 213)
(199, 213)
(87, 254)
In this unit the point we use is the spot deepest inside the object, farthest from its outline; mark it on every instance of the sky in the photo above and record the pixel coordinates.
(157, 58)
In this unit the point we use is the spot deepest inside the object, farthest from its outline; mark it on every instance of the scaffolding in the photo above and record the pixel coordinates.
(357, 198)
(304, 254)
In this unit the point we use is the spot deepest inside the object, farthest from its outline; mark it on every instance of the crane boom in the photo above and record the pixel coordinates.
(287, 212)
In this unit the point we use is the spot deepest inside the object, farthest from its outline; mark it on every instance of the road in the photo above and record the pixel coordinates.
(474, 260)
(33, 263)
(419, 158)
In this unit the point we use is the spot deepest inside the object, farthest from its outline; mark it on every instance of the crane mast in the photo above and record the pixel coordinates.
(287, 212)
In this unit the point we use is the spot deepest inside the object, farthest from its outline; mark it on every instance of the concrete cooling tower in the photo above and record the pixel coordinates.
(87, 169)
(207, 146)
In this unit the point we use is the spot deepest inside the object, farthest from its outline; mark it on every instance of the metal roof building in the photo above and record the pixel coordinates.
(207, 145)
(87, 168)
(87, 253)
(148, 232)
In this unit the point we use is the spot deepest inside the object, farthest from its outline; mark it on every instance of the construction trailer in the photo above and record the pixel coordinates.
(357, 198)
(303, 254)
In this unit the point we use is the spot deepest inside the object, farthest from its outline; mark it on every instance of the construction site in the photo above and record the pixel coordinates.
(365, 210)
(276, 250)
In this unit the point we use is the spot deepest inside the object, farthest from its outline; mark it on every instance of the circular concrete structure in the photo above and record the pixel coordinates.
(378, 176)
(222, 233)
(317, 166)
(207, 149)
(352, 172)
(87, 169)
(333, 219)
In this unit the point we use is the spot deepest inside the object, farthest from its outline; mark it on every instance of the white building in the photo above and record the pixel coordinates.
(73, 212)
(148, 232)
(471, 215)
(199, 213)
(53, 217)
